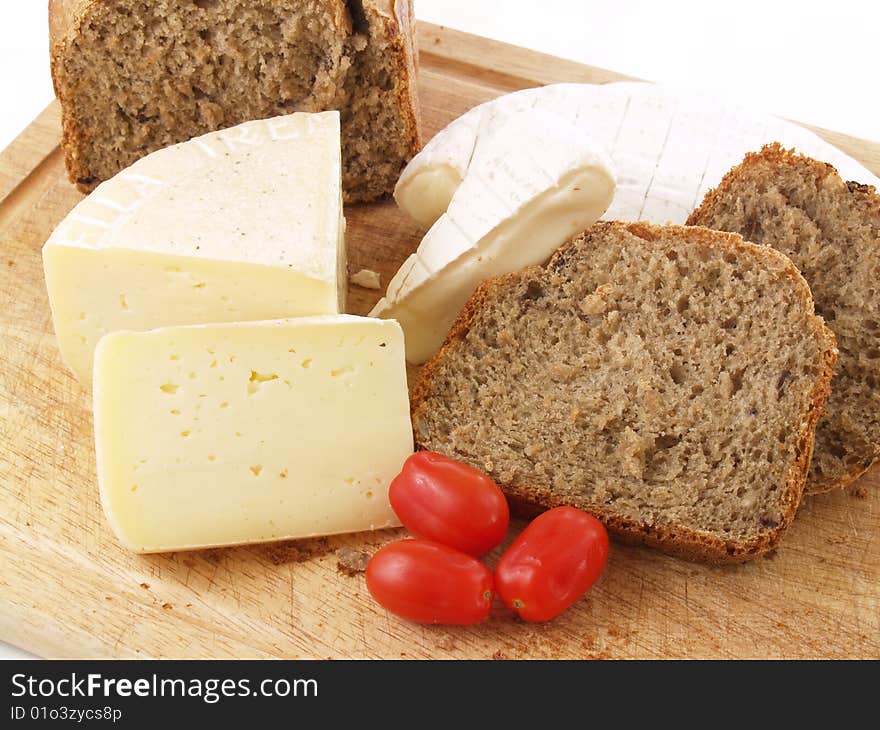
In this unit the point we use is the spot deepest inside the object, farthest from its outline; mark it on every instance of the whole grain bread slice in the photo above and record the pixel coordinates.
(133, 77)
(831, 230)
(666, 379)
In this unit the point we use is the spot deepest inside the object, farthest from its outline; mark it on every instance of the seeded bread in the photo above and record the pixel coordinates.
(831, 230)
(133, 77)
(666, 379)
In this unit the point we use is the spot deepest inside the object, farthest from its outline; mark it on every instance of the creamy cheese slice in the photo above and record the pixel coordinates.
(531, 184)
(241, 224)
(224, 434)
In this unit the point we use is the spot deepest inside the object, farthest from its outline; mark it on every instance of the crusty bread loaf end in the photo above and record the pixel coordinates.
(162, 72)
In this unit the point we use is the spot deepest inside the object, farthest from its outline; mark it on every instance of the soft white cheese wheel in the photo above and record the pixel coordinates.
(668, 146)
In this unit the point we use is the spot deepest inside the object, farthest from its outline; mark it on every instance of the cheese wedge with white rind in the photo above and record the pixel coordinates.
(241, 224)
(428, 188)
(531, 185)
(668, 147)
(227, 434)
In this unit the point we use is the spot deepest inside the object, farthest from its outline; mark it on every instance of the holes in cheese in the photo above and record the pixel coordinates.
(312, 453)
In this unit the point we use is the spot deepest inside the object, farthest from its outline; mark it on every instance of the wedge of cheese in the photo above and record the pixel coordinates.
(242, 224)
(531, 185)
(225, 434)
(668, 146)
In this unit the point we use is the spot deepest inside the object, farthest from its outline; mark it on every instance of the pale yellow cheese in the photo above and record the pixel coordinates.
(225, 434)
(238, 225)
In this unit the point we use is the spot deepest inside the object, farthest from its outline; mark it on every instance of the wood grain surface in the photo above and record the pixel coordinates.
(67, 589)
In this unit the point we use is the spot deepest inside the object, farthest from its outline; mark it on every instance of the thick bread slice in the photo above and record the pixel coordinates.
(831, 230)
(666, 379)
(133, 77)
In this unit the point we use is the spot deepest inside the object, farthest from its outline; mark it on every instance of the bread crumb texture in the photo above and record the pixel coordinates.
(831, 230)
(666, 379)
(135, 76)
(350, 562)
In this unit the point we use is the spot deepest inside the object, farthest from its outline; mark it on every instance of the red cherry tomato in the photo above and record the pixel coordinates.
(441, 499)
(430, 583)
(552, 563)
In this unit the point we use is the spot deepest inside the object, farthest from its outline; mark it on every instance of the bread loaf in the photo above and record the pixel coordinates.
(831, 230)
(133, 77)
(666, 379)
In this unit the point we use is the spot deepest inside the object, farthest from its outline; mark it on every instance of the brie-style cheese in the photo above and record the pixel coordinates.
(241, 224)
(531, 184)
(668, 147)
(224, 434)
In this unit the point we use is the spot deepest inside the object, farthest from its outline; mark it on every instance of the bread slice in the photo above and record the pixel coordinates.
(831, 230)
(666, 379)
(133, 77)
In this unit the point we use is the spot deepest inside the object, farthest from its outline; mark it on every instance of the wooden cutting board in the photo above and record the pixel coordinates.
(67, 589)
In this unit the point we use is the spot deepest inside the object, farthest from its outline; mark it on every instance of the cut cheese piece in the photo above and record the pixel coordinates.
(210, 435)
(424, 190)
(668, 147)
(243, 224)
(532, 185)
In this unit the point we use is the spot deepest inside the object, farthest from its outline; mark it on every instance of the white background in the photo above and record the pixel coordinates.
(812, 62)
(809, 61)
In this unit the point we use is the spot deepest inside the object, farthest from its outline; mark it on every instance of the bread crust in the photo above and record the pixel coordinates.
(399, 19)
(398, 24)
(774, 152)
(65, 17)
(867, 195)
(677, 540)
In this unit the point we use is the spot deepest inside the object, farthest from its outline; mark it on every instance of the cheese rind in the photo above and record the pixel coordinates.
(531, 186)
(226, 434)
(428, 302)
(240, 224)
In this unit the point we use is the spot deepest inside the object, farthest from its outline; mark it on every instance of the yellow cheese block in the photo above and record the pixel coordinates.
(237, 225)
(225, 434)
